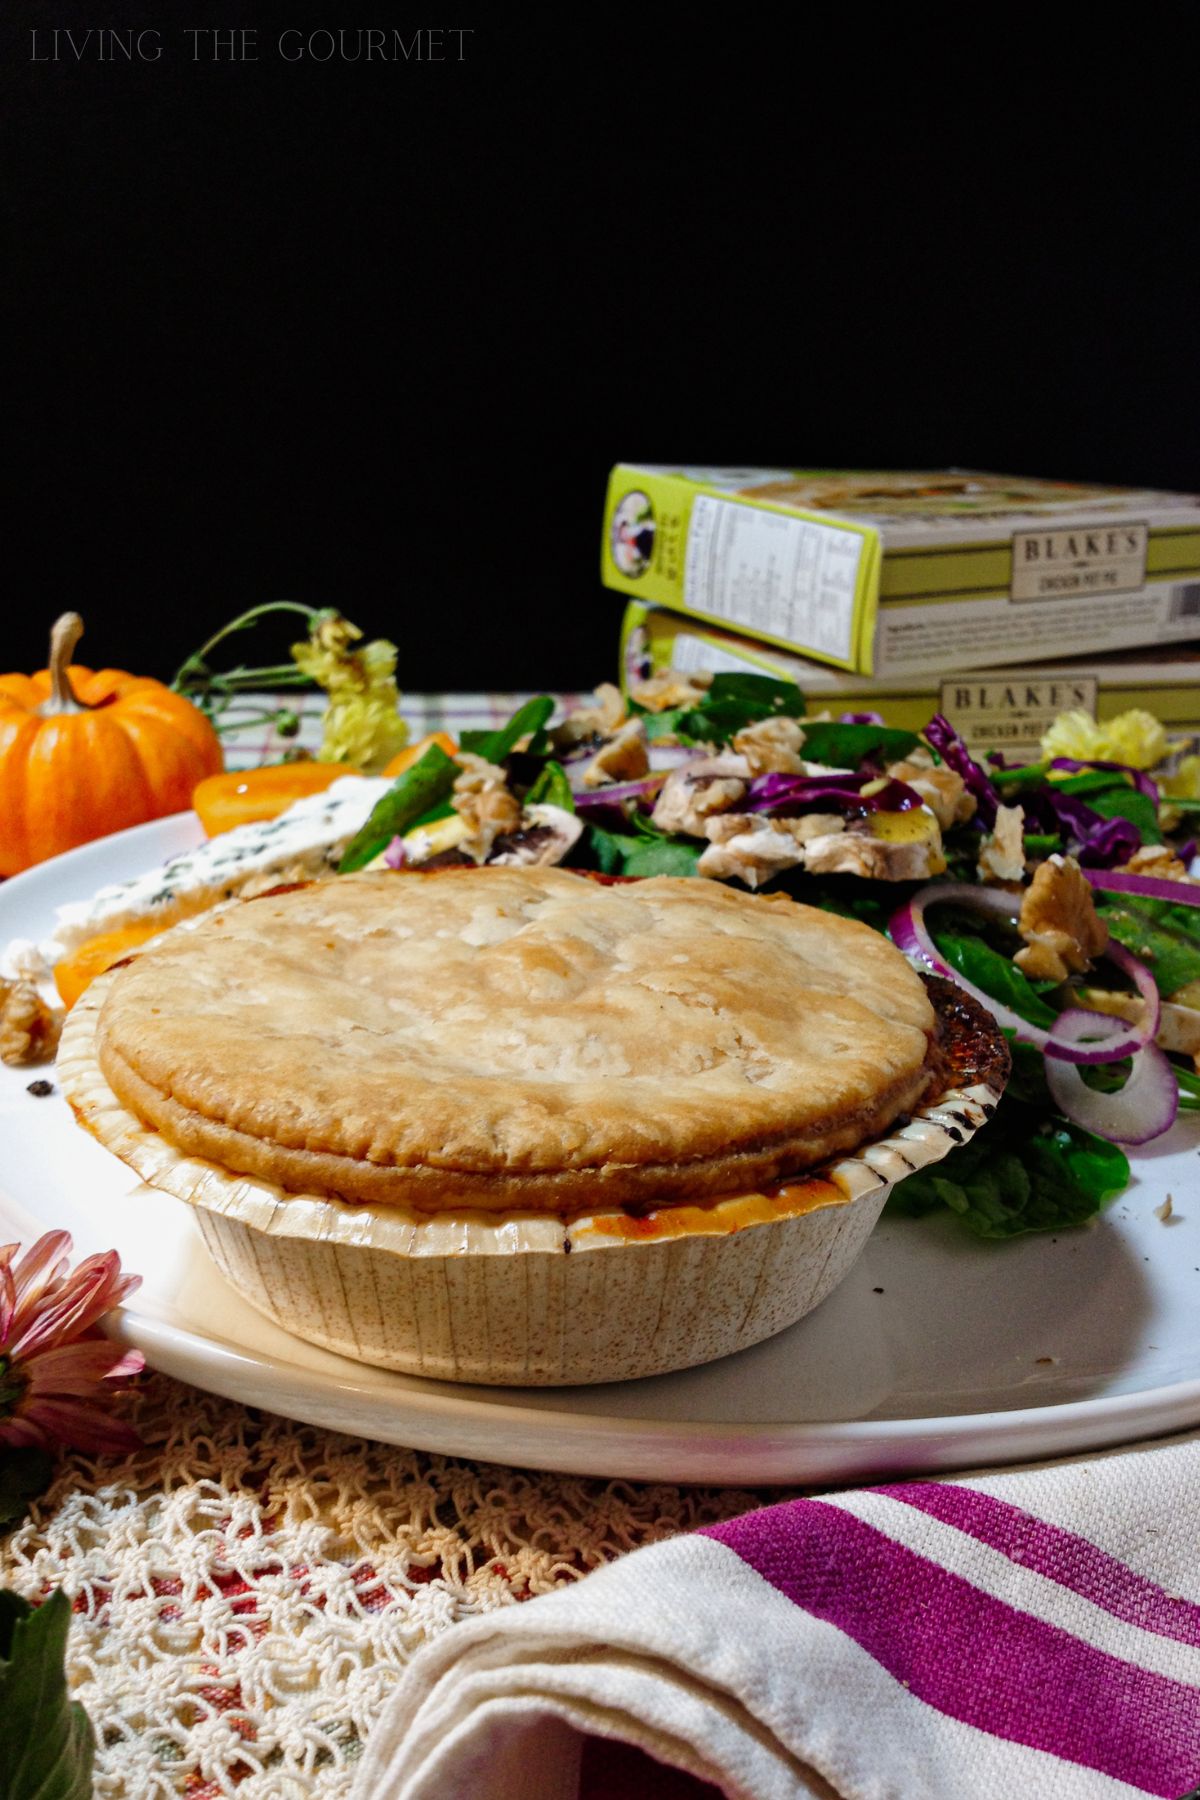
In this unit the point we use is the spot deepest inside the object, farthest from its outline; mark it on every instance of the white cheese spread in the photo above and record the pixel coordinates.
(306, 840)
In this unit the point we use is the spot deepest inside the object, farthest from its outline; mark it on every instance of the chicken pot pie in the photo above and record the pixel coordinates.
(583, 1117)
(511, 1038)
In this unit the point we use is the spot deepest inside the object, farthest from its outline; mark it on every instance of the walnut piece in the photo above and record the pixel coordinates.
(661, 693)
(772, 746)
(944, 793)
(623, 758)
(602, 720)
(485, 803)
(1002, 857)
(1059, 922)
(29, 1029)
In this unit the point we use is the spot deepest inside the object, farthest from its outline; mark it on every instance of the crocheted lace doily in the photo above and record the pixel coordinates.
(247, 1589)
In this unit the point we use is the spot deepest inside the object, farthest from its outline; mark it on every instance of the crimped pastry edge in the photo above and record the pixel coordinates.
(432, 1188)
(424, 1158)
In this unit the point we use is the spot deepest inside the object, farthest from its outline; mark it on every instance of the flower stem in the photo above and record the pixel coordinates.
(210, 688)
(245, 724)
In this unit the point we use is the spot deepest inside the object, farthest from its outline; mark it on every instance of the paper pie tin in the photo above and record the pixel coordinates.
(529, 1299)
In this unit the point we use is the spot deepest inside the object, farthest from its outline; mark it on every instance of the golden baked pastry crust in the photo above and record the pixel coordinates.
(513, 1038)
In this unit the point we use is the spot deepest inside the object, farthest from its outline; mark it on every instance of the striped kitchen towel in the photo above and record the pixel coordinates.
(1032, 1635)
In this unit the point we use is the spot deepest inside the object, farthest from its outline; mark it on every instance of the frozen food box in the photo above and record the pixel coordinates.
(1005, 709)
(887, 573)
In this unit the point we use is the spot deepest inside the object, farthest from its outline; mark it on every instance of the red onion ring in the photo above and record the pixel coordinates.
(1147, 1104)
(616, 792)
(1143, 1109)
(1150, 887)
(910, 934)
(1063, 1043)
(673, 756)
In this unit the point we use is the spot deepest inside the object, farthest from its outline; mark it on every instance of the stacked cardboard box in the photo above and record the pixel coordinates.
(994, 709)
(908, 575)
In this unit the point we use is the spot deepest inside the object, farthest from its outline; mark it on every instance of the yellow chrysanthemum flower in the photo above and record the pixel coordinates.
(363, 729)
(1075, 734)
(362, 723)
(1135, 738)
(1184, 784)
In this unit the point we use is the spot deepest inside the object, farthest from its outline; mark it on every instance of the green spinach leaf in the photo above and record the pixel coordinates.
(1155, 933)
(528, 720)
(846, 746)
(1121, 802)
(616, 853)
(1023, 1172)
(970, 953)
(733, 702)
(552, 788)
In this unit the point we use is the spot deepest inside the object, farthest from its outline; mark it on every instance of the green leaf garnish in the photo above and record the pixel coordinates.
(731, 703)
(47, 1747)
(1156, 933)
(997, 975)
(528, 720)
(552, 788)
(1023, 1173)
(410, 797)
(1122, 802)
(959, 935)
(847, 746)
(642, 853)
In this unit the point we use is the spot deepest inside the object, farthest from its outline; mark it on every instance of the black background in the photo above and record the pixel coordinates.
(372, 335)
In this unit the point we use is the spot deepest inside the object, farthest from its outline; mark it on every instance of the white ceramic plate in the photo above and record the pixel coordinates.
(936, 1352)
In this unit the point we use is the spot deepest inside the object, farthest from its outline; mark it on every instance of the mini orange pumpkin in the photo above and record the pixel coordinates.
(83, 753)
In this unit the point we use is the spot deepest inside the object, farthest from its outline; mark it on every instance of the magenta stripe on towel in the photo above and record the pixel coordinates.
(971, 1656)
(1059, 1555)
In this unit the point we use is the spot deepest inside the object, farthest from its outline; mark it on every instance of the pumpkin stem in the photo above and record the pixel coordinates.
(64, 636)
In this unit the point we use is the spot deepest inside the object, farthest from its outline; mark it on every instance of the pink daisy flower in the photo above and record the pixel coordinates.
(57, 1369)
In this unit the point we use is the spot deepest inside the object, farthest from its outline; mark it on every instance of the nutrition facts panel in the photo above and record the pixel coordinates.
(765, 571)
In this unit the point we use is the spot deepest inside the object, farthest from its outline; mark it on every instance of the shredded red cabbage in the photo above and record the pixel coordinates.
(862, 718)
(1099, 843)
(787, 796)
(941, 735)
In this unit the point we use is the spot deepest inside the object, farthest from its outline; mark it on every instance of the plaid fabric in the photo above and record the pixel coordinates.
(250, 736)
